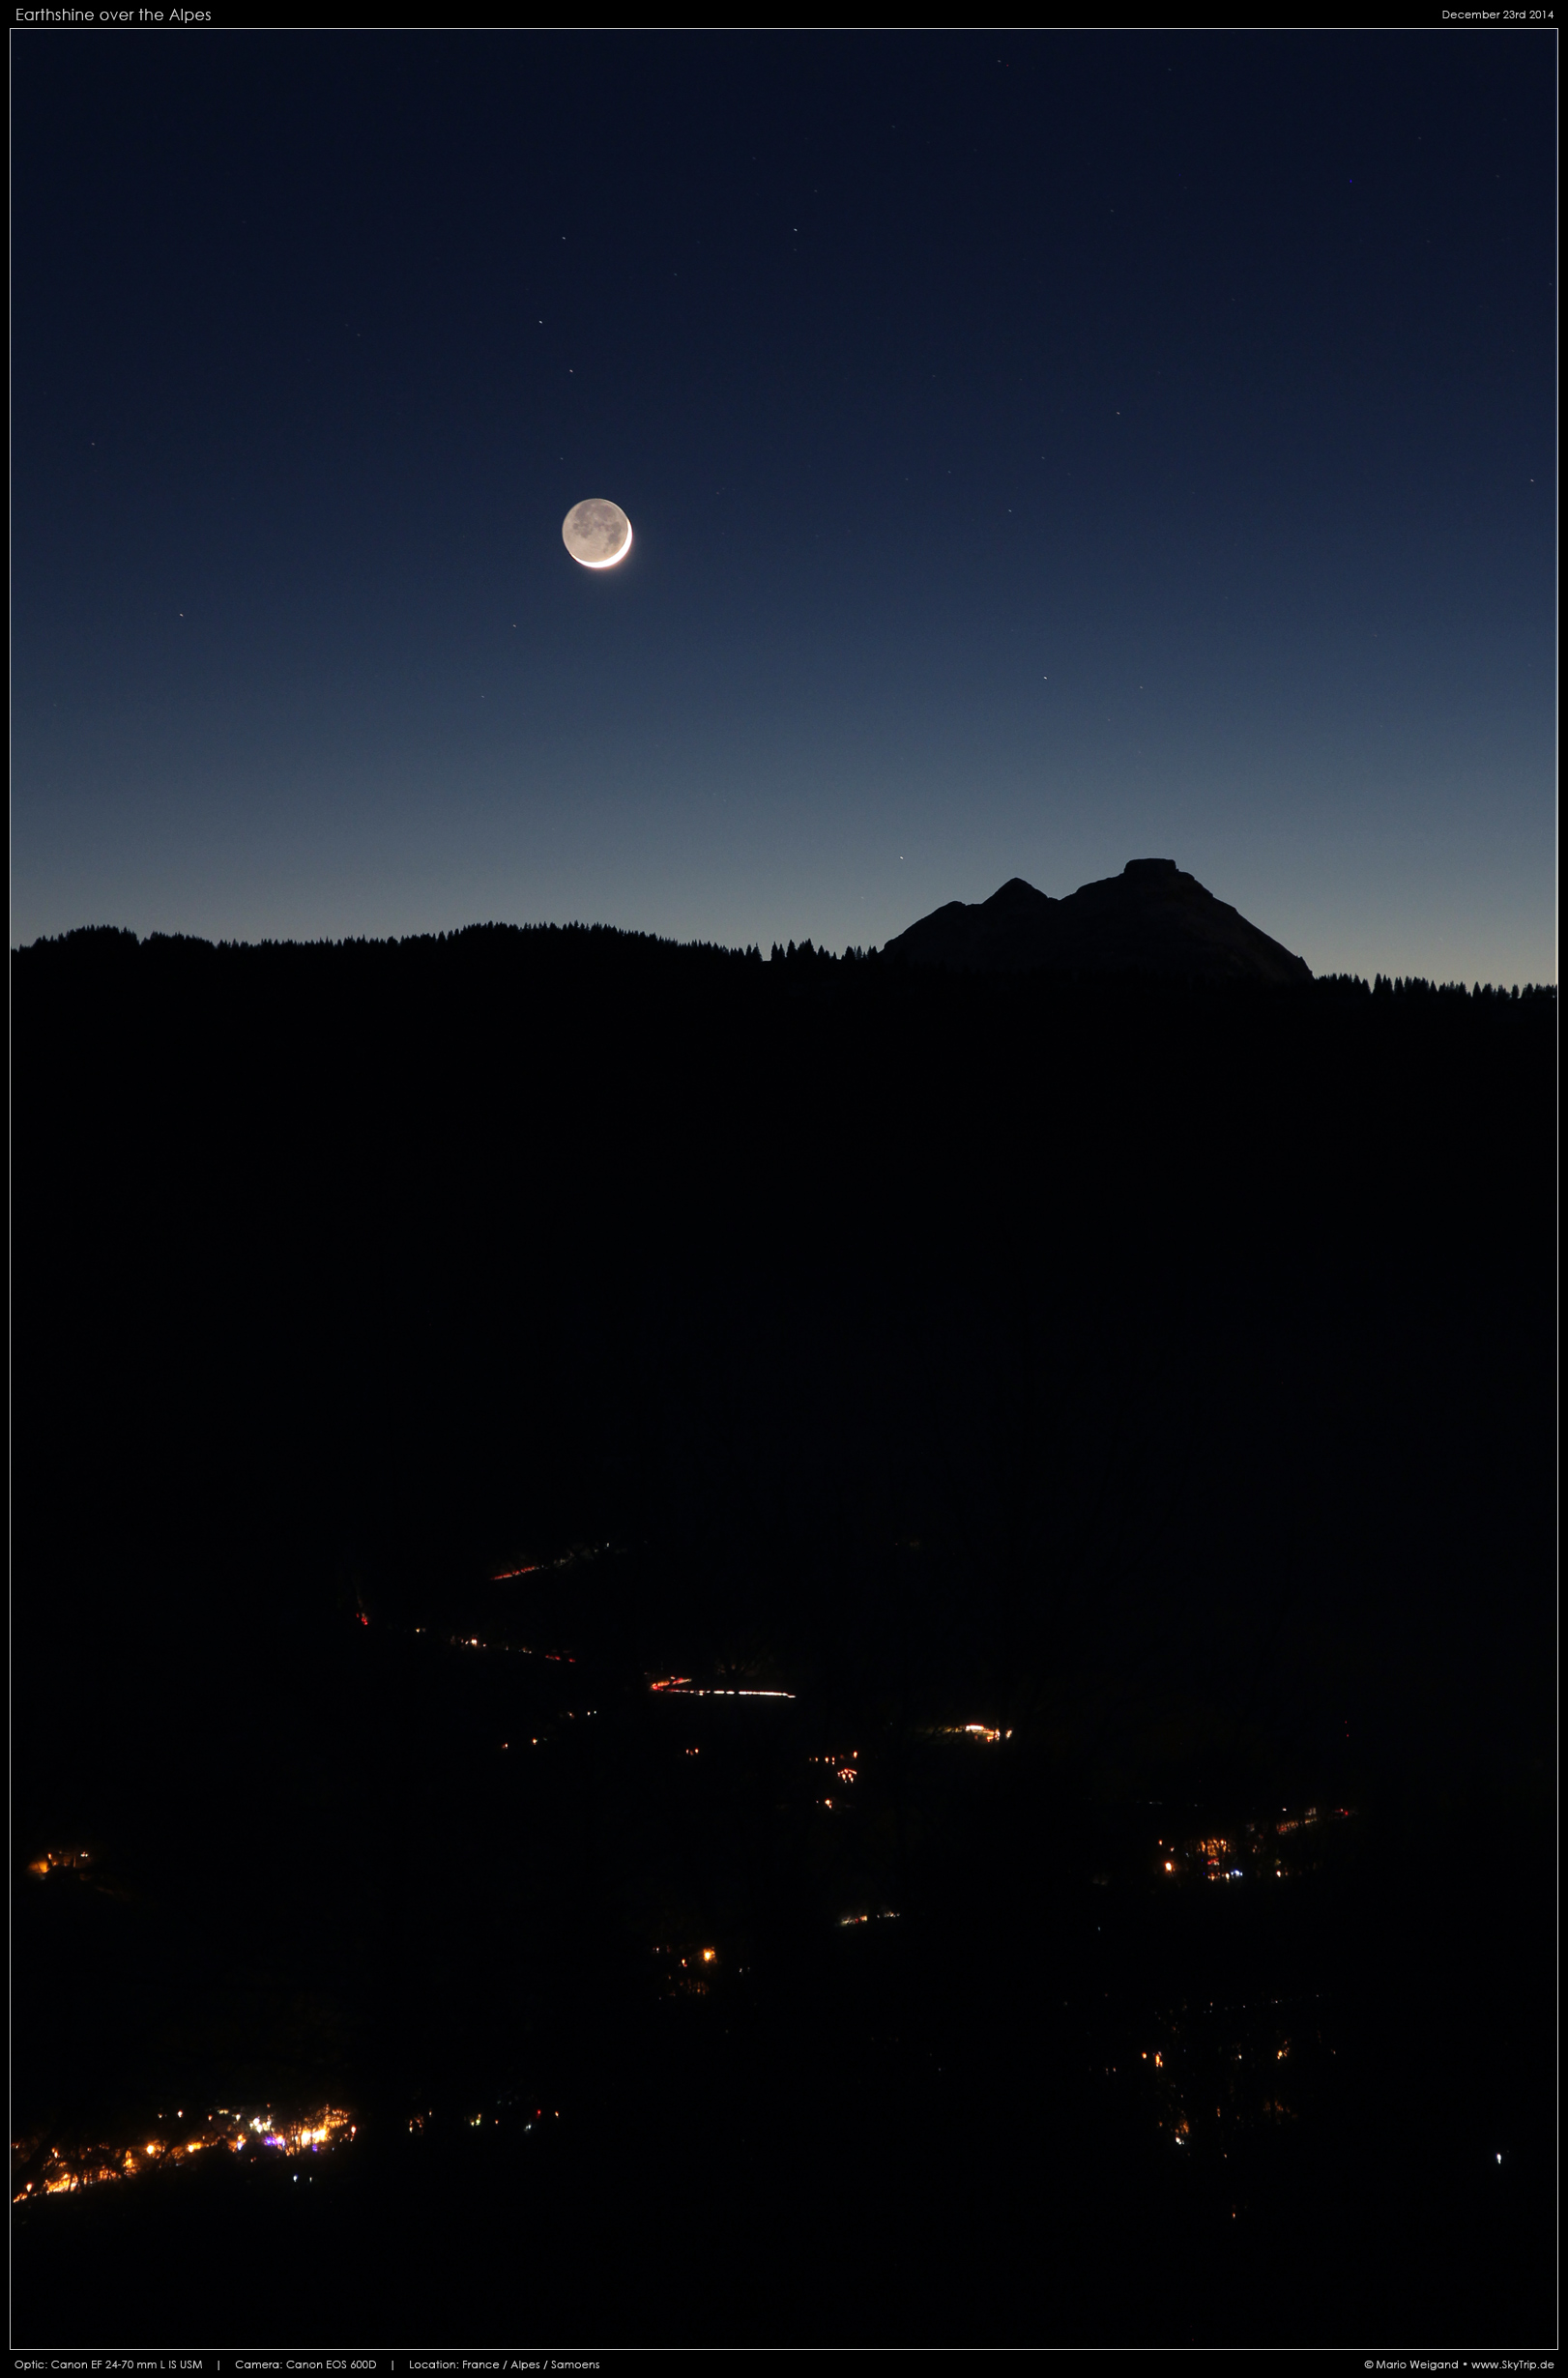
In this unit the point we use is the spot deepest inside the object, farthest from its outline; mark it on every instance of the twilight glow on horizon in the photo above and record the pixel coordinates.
(1045, 449)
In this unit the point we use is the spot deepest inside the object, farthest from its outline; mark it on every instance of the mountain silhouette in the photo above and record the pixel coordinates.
(1151, 918)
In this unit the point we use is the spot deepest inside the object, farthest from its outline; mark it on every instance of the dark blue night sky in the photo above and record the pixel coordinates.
(1041, 450)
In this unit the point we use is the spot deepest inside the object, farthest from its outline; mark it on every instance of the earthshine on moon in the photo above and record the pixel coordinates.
(596, 533)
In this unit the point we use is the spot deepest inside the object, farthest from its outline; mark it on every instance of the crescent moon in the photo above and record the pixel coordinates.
(596, 533)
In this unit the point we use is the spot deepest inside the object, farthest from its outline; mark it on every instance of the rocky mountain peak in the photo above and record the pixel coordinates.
(1153, 917)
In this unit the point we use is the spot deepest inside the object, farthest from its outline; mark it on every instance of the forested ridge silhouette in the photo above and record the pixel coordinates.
(1162, 1369)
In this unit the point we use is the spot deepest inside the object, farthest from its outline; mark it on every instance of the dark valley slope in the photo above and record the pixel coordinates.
(1160, 1370)
(1198, 1331)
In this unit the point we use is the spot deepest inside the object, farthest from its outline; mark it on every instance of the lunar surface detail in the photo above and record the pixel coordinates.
(596, 533)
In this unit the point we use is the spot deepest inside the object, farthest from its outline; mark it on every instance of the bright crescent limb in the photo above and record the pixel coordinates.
(610, 560)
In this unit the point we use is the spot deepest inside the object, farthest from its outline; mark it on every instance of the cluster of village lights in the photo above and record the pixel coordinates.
(66, 2171)
(723, 1693)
